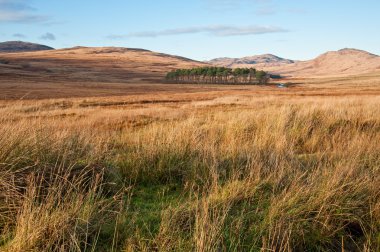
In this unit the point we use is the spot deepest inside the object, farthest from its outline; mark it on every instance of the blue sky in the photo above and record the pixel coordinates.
(198, 29)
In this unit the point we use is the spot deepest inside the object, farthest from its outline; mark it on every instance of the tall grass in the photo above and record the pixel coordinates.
(237, 174)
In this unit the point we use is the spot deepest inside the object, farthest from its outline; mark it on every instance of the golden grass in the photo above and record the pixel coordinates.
(235, 172)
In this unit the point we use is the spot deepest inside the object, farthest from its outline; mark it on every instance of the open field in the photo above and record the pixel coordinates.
(17, 88)
(190, 168)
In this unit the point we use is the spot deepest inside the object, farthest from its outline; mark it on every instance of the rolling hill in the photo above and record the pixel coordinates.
(334, 63)
(100, 64)
(20, 46)
(133, 65)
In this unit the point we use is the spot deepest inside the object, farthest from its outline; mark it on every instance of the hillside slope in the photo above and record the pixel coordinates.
(335, 63)
(20, 46)
(102, 64)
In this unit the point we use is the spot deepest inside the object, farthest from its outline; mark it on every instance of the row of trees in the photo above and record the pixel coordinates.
(218, 75)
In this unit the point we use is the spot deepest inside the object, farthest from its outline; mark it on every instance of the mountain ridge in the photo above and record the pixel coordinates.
(130, 64)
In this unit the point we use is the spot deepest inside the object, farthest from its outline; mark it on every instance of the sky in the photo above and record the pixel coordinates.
(198, 29)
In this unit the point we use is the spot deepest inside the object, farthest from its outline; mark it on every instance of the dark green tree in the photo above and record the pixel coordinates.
(217, 75)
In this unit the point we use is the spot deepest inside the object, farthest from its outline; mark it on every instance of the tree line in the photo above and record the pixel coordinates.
(218, 75)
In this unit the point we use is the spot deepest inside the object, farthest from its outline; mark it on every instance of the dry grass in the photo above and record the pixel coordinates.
(216, 172)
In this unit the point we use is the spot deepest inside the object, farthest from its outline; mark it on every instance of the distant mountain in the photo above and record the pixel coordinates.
(251, 61)
(19, 46)
(344, 62)
(334, 63)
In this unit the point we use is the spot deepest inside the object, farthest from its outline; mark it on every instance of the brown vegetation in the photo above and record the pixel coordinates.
(42, 88)
(205, 172)
(94, 157)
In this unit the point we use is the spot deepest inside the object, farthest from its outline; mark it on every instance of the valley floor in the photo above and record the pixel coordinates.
(14, 87)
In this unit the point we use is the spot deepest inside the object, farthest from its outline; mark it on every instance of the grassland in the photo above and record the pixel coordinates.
(218, 169)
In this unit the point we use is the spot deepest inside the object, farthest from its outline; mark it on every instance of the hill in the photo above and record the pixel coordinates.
(264, 60)
(334, 63)
(20, 46)
(101, 64)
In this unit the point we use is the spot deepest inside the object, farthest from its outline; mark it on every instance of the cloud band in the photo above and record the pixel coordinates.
(218, 30)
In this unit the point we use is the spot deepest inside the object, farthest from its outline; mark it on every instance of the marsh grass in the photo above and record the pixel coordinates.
(299, 174)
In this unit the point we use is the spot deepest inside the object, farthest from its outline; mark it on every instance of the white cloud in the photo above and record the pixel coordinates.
(48, 36)
(217, 30)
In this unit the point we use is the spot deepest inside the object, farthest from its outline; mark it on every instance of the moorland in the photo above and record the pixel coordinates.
(97, 153)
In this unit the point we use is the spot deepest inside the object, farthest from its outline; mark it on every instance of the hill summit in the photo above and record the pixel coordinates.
(20, 46)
